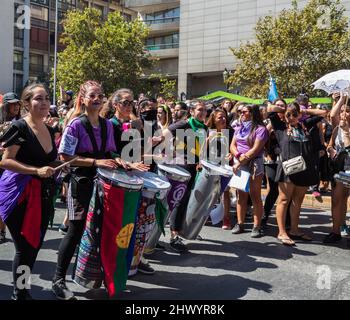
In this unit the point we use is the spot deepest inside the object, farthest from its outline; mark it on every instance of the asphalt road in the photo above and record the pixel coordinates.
(222, 266)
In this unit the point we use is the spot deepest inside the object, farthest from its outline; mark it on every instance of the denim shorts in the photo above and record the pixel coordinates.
(256, 165)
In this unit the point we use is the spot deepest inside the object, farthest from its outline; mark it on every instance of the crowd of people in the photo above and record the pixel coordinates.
(86, 129)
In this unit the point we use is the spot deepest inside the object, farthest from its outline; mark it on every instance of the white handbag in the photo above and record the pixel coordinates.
(294, 165)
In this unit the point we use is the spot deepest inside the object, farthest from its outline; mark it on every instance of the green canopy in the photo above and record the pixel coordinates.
(231, 96)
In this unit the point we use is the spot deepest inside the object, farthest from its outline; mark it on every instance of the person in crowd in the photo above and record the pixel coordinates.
(119, 109)
(10, 110)
(27, 185)
(338, 154)
(160, 100)
(324, 161)
(272, 152)
(195, 122)
(295, 139)
(217, 122)
(91, 138)
(180, 112)
(228, 105)
(247, 148)
(164, 117)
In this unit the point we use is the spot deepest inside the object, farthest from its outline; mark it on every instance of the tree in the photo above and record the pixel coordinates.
(297, 47)
(168, 88)
(111, 52)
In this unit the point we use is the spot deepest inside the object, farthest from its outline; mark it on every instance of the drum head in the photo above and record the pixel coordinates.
(152, 181)
(174, 172)
(120, 178)
(216, 169)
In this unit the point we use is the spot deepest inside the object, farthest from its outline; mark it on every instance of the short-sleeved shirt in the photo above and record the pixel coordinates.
(75, 129)
(244, 144)
(30, 152)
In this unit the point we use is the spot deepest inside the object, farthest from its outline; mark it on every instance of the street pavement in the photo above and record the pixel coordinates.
(221, 266)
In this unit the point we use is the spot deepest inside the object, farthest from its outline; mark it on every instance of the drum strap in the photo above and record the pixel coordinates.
(100, 154)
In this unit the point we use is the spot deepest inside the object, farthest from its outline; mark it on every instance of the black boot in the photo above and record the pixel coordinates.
(21, 295)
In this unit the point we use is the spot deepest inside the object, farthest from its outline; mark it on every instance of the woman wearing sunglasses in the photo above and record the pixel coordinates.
(295, 139)
(91, 138)
(248, 147)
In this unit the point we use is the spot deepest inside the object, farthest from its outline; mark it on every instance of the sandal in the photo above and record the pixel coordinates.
(286, 240)
(302, 236)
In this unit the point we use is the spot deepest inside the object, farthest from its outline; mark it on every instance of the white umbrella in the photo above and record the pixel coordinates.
(338, 81)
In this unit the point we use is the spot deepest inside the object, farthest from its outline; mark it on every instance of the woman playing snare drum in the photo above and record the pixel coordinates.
(91, 138)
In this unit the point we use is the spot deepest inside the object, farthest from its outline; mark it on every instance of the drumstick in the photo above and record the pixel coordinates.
(66, 163)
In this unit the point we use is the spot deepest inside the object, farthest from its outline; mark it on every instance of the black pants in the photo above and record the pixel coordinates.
(81, 195)
(25, 254)
(68, 246)
(177, 219)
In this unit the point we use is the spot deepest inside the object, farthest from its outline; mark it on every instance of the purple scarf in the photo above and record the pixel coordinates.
(244, 130)
(12, 186)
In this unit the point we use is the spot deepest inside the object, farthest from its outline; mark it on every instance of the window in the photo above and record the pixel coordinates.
(166, 16)
(17, 83)
(19, 36)
(18, 60)
(39, 12)
(36, 64)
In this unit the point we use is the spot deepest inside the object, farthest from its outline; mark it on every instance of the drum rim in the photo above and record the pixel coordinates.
(225, 172)
(120, 184)
(166, 185)
(185, 174)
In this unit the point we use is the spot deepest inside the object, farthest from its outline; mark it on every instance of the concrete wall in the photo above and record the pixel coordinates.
(208, 28)
(6, 45)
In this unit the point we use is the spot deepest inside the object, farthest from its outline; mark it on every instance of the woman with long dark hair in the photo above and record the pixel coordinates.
(296, 138)
(248, 147)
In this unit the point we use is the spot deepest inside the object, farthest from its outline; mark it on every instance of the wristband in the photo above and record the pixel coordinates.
(94, 163)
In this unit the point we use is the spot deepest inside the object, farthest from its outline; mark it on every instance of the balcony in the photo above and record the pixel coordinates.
(158, 27)
(164, 51)
(161, 21)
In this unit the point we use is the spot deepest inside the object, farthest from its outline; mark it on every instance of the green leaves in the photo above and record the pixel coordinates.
(111, 52)
(296, 47)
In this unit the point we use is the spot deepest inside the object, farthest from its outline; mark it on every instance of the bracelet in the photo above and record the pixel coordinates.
(93, 163)
(238, 155)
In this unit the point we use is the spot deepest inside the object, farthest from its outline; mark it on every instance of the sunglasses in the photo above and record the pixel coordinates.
(293, 114)
(93, 96)
(245, 111)
(280, 105)
(127, 103)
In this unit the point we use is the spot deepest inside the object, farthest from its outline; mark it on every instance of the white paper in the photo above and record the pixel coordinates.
(217, 214)
(240, 181)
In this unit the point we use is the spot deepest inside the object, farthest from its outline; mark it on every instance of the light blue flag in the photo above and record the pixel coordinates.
(273, 94)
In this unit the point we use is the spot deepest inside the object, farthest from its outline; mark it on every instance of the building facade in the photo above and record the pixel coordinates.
(191, 39)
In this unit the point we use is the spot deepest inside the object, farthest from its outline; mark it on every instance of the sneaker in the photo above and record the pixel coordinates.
(256, 232)
(21, 295)
(238, 228)
(63, 229)
(177, 245)
(2, 236)
(61, 291)
(145, 268)
(316, 194)
(160, 247)
(332, 238)
(344, 230)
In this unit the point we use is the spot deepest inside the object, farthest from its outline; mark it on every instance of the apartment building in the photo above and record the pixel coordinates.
(27, 54)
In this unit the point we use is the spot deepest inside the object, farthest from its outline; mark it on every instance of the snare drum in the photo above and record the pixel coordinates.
(102, 255)
(204, 195)
(155, 188)
(178, 178)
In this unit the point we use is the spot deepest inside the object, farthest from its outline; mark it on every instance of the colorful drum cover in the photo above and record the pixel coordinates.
(102, 255)
(155, 188)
